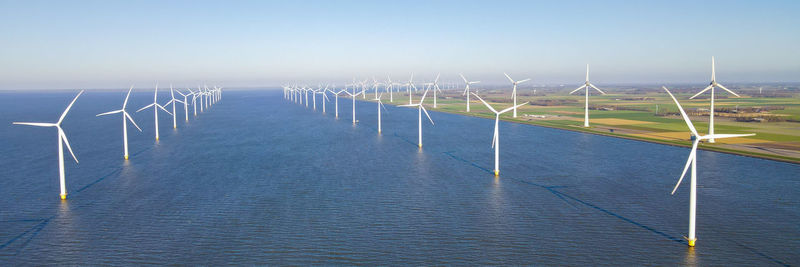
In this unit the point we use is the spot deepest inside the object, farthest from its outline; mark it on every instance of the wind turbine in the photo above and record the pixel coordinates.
(194, 100)
(185, 102)
(390, 88)
(380, 105)
(156, 106)
(173, 101)
(125, 118)
(496, 137)
(586, 86)
(420, 109)
(466, 89)
(410, 84)
(324, 97)
(514, 91)
(435, 85)
(61, 137)
(353, 96)
(711, 86)
(337, 101)
(692, 160)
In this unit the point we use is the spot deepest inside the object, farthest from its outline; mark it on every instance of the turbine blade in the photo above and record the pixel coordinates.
(519, 82)
(462, 77)
(508, 109)
(509, 77)
(598, 89)
(143, 108)
(726, 89)
(423, 97)
(717, 136)
(487, 104)
(579, 88)
(426, 114)
(688, 162)
(66, 142)
(683, 113)
(69, 107)
(40, 124)
(125, 104)
(107, 113)
(131, 119)
(162, 108)
(702, 91)
(494, 135)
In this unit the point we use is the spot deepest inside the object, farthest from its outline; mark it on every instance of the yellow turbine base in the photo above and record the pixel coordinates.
(156, 138)
(420, 145)
(63, 196)
(379, 131)
(496, 173)
(126, 157)
(691, 242)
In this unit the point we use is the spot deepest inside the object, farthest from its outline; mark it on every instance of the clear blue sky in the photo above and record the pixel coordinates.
(111, 44)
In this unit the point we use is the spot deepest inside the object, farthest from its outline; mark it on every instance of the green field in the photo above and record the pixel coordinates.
(778, 139)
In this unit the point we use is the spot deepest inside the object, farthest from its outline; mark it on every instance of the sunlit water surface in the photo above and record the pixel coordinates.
(259, 180)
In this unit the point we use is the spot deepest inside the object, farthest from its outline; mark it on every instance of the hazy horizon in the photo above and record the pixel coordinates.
(97, 44)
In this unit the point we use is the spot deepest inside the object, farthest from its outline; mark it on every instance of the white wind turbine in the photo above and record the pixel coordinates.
(125, 118)
(466, 89)
(692, 160)
(496, 137)
(173, 102)
(353, 96)
(337, 100)
(410, 84)
(390, 88)
(380, 105)
(62, 140)
(711, 87)
(586, 86)
(435, 86)
(514, 91)
(325, 98)
(194, 100)
(156, 106)
(420, 109)
(314, 96)
(185, 102)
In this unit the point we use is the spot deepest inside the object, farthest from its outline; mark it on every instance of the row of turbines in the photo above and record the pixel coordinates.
(203, 97)
(299, 95)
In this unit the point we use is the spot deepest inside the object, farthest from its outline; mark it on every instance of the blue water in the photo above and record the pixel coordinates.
(259, 180)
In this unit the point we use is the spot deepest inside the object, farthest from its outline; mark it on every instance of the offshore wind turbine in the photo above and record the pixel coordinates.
(337, 100)
(586, 86)
(496, 137)
(156, 106)
(380, 105)
(62, 140)
(125, 118)
(420, 109)
(194, 100)
(390, 87)
(353, 96)
(324, 97)
(711, 87)
(514, 91)
(692, 160)
(173, 101)
(185, 103)
(466, 88)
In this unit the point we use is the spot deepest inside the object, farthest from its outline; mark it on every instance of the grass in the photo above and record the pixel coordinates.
(642, 124)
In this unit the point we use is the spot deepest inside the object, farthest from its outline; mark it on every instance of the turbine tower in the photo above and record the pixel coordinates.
(125, 118)
(380, 105)
(586, 86)
(173, 101)
(62, 140)
(496, 137)
(692, 160)
(711, 87)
